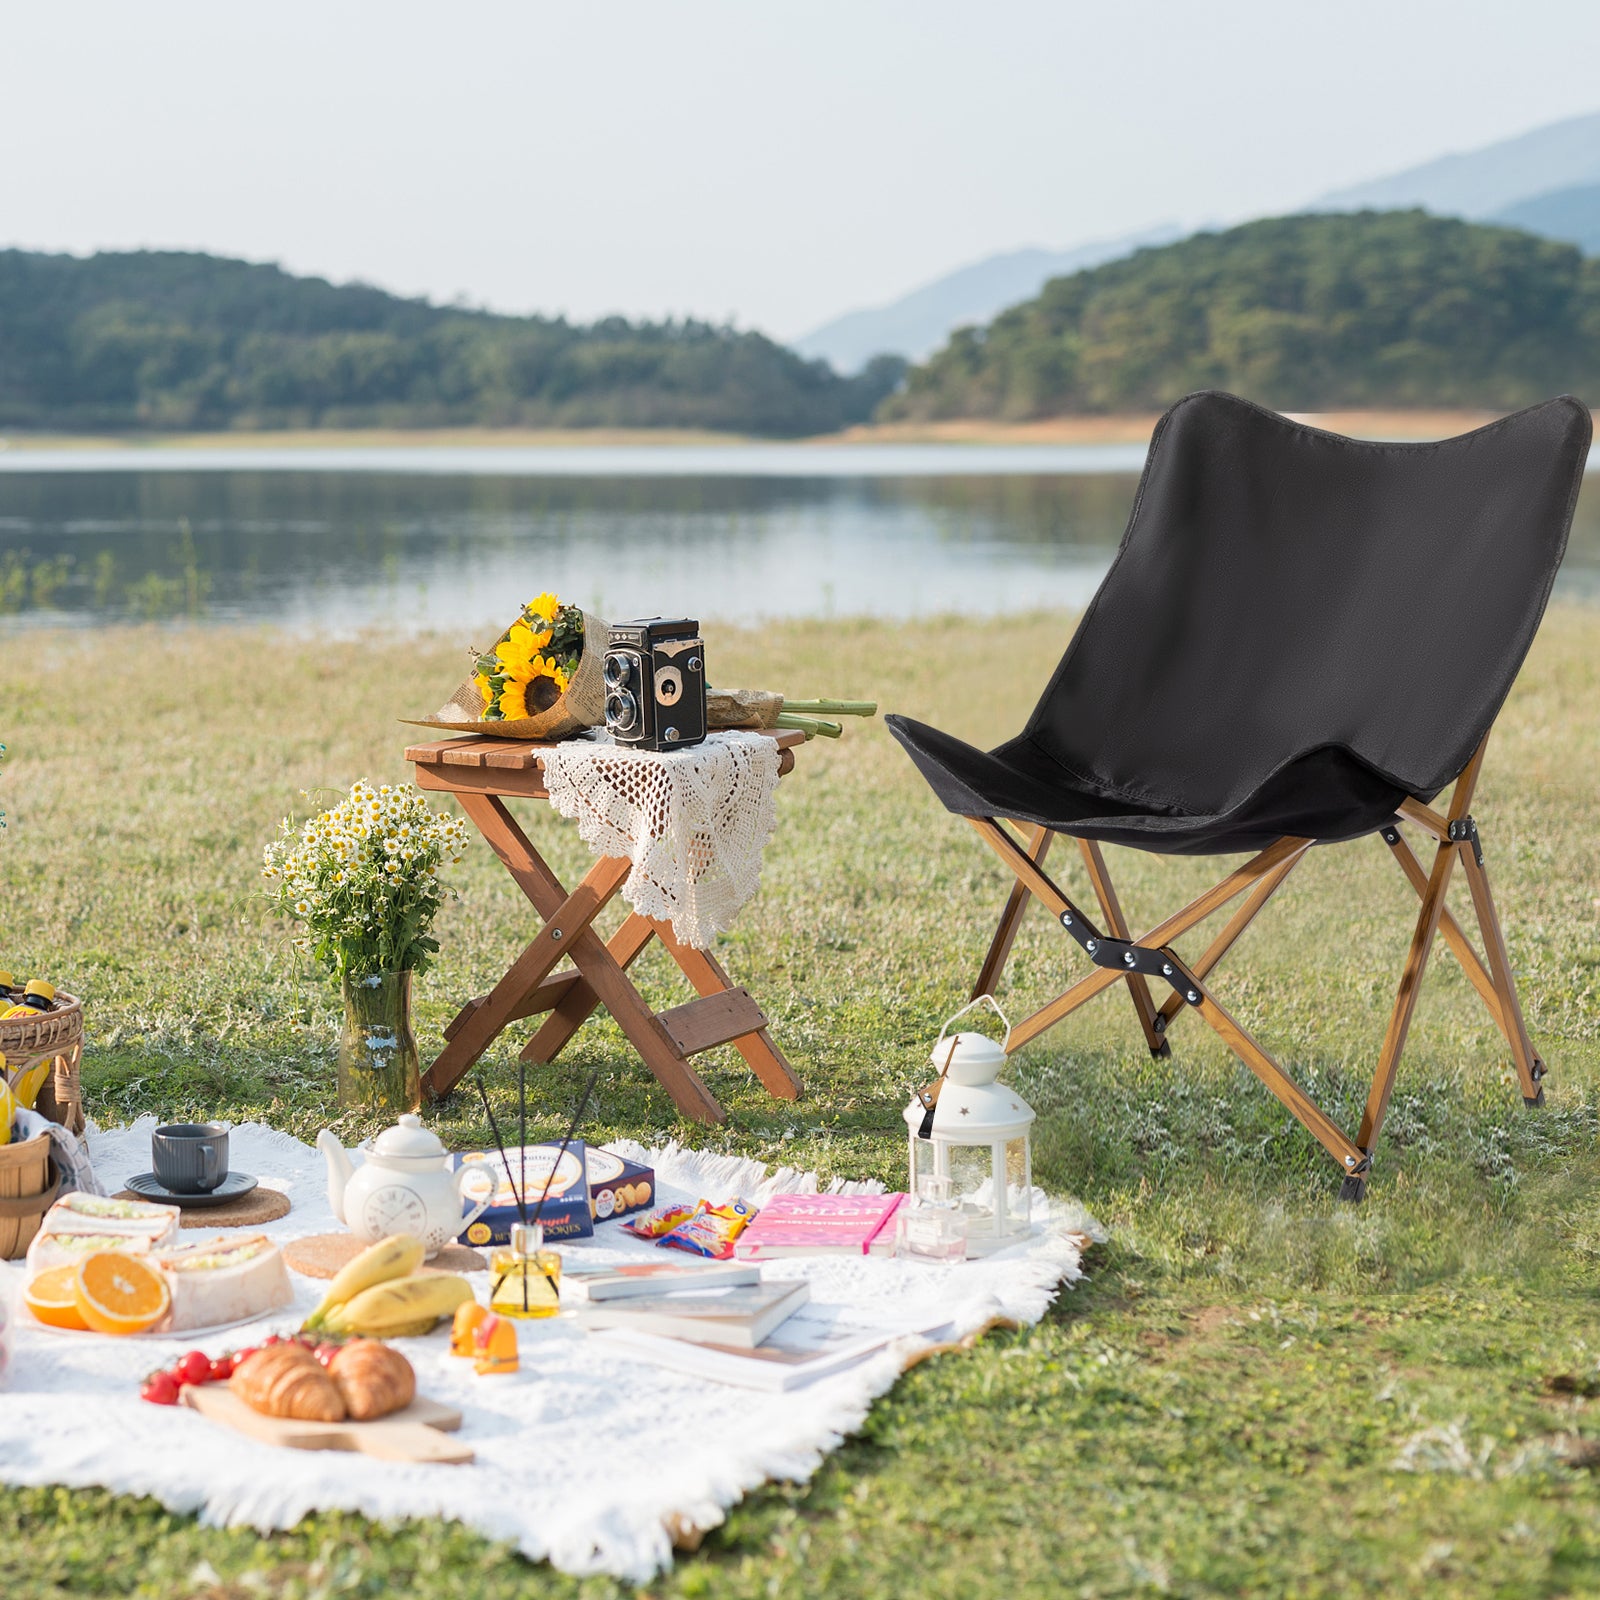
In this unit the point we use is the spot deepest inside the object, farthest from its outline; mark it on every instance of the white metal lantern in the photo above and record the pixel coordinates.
(977, 1136)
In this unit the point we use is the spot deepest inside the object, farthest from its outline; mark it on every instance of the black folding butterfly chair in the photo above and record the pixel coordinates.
(1303, 639)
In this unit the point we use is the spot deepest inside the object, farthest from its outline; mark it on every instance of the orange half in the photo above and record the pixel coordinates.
(52, 1299)
(119, 1294)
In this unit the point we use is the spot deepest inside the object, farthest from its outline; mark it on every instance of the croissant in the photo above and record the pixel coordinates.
(373, 1379)
(286, 1380)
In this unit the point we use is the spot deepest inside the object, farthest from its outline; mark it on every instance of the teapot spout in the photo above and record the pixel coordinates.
(340, 1169)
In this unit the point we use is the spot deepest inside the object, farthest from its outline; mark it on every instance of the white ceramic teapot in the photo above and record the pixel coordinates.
(405, 1185)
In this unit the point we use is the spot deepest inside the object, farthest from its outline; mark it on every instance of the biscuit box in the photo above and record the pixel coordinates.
(567, 1213)
(617, 1186)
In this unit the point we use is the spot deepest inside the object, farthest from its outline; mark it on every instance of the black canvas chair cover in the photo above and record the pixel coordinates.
(1299, 630)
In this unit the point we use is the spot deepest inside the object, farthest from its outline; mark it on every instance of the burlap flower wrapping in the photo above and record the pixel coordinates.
(582, 706)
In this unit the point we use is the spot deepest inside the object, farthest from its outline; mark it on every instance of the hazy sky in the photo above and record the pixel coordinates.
(766, 161)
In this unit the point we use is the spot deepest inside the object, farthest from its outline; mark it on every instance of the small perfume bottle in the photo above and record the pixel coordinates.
(932, 1227)
(525, 1277)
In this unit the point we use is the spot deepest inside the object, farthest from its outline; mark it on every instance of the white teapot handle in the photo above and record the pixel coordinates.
(462, 1178)
(977, 1000)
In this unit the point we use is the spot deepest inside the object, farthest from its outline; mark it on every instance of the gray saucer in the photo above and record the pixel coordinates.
(234, 1187)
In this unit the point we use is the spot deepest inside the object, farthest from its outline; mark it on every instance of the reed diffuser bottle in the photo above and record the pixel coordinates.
(525, 1277)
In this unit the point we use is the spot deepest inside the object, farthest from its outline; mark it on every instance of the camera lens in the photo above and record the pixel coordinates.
(622, 710)
(618, 669)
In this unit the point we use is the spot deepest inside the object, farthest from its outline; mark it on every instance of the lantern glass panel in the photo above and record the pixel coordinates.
(971, 1168)
(1019, 1179)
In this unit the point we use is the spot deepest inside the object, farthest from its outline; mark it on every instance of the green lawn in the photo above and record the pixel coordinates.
(1256, 1391)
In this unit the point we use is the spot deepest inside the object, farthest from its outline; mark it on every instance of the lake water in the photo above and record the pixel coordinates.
(455, 538)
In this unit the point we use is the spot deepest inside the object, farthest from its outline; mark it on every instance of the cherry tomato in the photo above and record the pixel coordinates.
(326, 1352)
(222, 1369)
(160, 1389)
(239, 1357)
(195, 1367)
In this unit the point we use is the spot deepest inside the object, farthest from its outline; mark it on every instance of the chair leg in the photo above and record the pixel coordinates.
(1455, 937)
(1049, 894)
(1235, 925)
(1011, 918)
(1138, 990)
(1243, 1044)
(1530, 1069)
(1427, 929)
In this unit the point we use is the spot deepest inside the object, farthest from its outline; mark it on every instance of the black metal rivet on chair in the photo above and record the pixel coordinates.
(1303, 640)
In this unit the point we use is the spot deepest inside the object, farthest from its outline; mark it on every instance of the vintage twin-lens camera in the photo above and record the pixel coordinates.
(656, 684)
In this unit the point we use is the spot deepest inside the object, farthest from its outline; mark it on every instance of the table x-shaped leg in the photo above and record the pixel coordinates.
(723, 1014)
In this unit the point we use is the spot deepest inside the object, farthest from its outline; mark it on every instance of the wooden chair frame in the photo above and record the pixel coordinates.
(1118, 956)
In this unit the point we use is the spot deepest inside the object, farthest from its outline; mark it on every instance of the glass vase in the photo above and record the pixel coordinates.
(379, 1069)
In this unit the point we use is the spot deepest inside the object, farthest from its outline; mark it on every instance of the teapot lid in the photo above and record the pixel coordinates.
(408, 1140)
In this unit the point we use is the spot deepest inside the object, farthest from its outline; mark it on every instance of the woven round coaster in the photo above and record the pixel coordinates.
(322, 1255)
(248, 1211)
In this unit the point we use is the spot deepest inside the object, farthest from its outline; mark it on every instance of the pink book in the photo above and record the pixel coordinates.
(820, 1225)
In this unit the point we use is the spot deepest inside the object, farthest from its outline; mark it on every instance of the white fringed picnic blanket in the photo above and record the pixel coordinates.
(584, 1459)
(693, 822)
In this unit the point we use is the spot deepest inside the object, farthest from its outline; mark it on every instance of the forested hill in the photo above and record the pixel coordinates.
(161, 340)
(1303, 313)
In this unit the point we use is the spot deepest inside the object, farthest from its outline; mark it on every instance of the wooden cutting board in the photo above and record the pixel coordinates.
(419, 1433)
(324, 1255)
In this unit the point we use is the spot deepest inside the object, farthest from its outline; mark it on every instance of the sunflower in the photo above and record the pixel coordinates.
(519, 647)
(544, 605)
(533, 688)
(486, 689)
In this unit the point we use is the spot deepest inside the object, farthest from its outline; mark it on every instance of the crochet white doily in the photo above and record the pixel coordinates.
(693, 822)
(583, 1458)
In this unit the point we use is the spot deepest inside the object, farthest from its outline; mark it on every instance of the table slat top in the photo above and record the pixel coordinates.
(523, 755)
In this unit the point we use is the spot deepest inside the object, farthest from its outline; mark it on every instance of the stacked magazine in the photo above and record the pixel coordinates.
(723, 1321)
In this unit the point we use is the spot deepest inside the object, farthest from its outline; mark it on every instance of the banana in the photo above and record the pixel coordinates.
(395, 1257)
(412, 1330)
(399, 1305)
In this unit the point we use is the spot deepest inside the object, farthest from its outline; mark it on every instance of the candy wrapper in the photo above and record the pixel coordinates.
(653, 1224)
(710, 1231)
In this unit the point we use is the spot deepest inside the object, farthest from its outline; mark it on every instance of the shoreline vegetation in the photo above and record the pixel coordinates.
(1382, 312)
(1130, 428)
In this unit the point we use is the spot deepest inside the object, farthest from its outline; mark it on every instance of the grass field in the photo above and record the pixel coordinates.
(1256, 1391)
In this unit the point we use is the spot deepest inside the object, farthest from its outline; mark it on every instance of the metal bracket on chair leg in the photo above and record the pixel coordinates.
(1538, 1077)
(1354, 1187)
(1124, 955)
(1463, 830)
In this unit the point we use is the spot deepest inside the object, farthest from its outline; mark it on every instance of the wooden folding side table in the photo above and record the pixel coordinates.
(481, 774)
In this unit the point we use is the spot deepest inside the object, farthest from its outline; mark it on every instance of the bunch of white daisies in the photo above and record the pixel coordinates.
(364, 878)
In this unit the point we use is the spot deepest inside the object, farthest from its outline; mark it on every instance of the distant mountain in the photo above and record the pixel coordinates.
(156, 340)
(1484, 183)
(1572, 215)
(1306, 313)
(916, 324)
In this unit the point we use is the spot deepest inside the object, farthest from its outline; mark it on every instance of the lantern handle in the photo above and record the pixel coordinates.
(977, 1000)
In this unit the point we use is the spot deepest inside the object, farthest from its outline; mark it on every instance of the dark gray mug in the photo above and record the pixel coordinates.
(190, 1157)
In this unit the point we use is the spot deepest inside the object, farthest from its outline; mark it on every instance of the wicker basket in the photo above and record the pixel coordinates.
(29, 1184)
(54, 1034)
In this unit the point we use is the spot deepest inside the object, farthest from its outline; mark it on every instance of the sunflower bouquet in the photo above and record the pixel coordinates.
(542, 679)
(533, 665)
